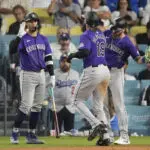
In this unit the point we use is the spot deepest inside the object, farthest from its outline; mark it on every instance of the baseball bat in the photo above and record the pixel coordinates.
(51, 92)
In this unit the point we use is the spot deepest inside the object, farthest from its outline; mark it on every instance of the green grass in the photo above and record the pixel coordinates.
(66, 142)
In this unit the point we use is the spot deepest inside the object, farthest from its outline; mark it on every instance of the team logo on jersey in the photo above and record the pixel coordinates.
(69, 83)
(28, 41)
(81, 45)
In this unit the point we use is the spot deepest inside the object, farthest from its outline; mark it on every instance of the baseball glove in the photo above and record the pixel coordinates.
(147, 54)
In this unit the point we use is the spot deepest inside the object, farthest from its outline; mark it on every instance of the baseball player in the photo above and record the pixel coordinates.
(35, 55)
(95, 76)
(118, 49)
(66, 80)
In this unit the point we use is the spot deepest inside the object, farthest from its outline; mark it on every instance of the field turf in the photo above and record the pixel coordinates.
(67, 142)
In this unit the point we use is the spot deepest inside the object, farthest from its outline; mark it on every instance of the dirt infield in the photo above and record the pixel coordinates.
(87, 148)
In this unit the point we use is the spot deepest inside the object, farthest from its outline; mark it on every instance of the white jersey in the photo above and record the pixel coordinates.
(64, 89)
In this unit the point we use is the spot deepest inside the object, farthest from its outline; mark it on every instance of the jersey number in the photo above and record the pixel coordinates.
(100, 49)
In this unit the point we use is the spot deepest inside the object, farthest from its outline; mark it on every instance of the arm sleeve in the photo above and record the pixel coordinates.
(49, 59)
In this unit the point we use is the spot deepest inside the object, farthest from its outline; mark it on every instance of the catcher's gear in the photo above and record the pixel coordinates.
(33, 17)
(147, 55)
(93, 20)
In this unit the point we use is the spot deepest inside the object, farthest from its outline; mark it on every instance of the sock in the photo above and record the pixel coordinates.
(34, 116)
(19, 119)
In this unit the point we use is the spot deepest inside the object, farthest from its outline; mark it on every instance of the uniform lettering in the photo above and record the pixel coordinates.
(69, 83)
(115, 49)
(35, 47)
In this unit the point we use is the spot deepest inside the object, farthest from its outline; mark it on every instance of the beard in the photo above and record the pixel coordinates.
(65, 68)
(33, 29)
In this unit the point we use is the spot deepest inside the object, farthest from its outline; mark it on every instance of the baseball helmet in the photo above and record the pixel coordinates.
(120, 24)
(93, 20)
(33, 16)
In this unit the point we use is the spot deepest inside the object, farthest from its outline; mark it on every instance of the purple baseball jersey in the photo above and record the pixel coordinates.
(95, 42)
(32, 51)
(118, 50)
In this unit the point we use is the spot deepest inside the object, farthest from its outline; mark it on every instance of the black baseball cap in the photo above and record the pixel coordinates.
(119, 25)
(64, 37)
(31, 16)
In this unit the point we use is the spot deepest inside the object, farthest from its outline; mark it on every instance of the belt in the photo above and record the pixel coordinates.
(34, 70)
(98, 65)
(110, 68)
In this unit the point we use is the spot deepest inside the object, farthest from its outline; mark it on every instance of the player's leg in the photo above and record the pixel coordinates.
(36, 109)
(68, 120)
(88, 82)
(108, 112)
(98, 109)
(83, 90)
(27, 94)
(117, 89)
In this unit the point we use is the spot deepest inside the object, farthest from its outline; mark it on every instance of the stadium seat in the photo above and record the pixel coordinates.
(144, 83)
(134, 68)
(142, 47)
(131, 92)
(137, 29)
(48, 30)
(7, 21)
(75, 31)
(139, 119)
(43, 15)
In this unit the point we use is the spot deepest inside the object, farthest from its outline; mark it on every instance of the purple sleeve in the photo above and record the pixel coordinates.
(132, 50)
(85, 43)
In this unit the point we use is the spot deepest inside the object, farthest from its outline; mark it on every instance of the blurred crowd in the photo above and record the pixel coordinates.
(70, 13)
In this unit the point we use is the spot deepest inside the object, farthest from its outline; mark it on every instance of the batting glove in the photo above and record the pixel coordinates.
(51, 82)
(21, 30)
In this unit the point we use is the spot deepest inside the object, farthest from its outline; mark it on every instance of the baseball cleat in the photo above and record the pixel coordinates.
(122, 141)
(103, 142)
(14, 138)
(31, 138)
(98, 130)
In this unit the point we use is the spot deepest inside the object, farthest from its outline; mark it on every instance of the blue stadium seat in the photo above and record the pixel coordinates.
(142, 47)
(131, 92)
(144, 83)
(139, 119)
(134, 68)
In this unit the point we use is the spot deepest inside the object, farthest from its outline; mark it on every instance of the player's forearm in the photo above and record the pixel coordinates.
(140, 59)
(5, 11)
(81, 54)
(51, 7)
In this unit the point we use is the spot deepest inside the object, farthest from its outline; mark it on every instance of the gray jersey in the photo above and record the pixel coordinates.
(64, 89)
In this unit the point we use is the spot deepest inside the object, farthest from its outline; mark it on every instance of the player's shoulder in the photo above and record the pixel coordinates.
(107, 32)
(74, 72)
(42, 36)
(127, 40)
